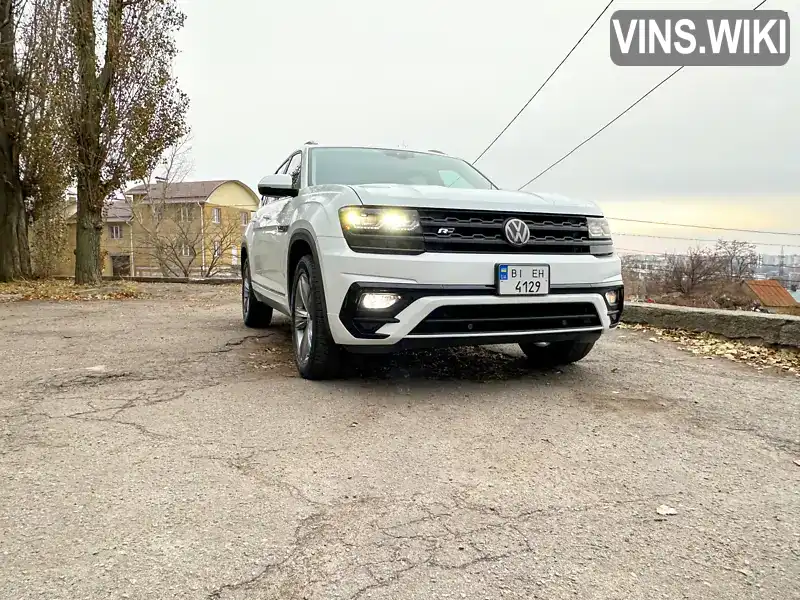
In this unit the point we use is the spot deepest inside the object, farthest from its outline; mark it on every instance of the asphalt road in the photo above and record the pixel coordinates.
(156, 449)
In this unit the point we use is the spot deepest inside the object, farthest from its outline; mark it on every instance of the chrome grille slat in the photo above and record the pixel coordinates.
(482, 231)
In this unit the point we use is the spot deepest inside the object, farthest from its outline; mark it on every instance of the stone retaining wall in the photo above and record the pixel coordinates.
(783, 330)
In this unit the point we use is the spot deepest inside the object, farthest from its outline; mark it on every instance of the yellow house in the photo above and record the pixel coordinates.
(185, 229)
(188, 229)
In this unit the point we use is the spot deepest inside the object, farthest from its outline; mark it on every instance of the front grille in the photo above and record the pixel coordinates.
(482, 232)
(500, 318)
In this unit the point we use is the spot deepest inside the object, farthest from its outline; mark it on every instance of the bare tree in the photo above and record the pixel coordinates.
(739, 259)
(630, 264)
(33, 158)
(175, 243)
(171, 232)
(127, 112)
(633, 276)
(174, 165)
(225, 235)
(687, 273)
(178, 243)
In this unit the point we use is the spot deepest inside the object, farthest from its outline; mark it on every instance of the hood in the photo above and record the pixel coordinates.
(433, 196)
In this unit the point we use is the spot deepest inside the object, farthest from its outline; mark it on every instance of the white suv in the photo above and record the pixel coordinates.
(375, 250)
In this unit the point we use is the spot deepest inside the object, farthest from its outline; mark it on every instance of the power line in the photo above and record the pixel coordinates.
(703, 227)
(511, 122)
(645, 255)
(691, 239)
(249, 208)
(615, 119)
(602, 129)
(661, 268)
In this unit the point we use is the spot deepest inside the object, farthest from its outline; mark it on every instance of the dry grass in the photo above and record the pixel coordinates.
(786, 360)
(66, 290)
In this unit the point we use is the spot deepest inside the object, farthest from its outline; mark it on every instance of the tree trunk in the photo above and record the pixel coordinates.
(91, 196)
(15, 258)
(89, 230)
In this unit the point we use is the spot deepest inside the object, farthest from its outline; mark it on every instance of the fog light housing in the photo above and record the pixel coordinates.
(378, 300)
(612, 297)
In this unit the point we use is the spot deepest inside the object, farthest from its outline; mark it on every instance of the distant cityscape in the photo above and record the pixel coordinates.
(783, 267)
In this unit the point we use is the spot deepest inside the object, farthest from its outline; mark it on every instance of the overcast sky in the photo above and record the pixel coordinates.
(264, 77)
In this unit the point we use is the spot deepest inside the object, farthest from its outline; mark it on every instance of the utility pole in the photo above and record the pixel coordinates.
(782, 264)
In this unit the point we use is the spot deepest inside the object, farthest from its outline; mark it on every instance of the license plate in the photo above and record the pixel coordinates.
(523, 280)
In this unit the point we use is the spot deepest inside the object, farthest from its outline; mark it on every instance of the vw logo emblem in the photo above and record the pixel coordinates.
(517, 232)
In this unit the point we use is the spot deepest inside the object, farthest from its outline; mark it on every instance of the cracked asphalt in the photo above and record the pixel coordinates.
(155, 449)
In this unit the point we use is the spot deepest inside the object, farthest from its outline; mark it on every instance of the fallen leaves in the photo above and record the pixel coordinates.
(710, 346)
(66, 290)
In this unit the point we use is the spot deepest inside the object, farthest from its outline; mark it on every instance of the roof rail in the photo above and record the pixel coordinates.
(310, 143)
(437, 152)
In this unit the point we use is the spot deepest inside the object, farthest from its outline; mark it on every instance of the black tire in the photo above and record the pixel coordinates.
(255, 313)
(556, 353)
(321, 357)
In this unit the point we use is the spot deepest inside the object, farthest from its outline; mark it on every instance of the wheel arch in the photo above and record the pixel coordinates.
(301, 243)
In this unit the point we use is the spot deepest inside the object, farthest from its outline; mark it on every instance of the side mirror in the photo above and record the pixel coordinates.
(279, 185)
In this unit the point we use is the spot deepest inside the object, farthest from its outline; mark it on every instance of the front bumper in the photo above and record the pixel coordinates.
(449, 299)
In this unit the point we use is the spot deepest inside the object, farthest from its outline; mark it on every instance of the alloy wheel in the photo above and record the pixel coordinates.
(303, 322)
(246, 290)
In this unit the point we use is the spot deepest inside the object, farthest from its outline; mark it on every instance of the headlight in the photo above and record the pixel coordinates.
(598, 227)
(356, 219)
(383, 230)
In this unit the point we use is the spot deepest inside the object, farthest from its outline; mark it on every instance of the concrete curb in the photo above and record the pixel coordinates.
(781, 330)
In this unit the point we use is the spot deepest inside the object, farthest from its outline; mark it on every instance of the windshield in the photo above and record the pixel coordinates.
(358, 166)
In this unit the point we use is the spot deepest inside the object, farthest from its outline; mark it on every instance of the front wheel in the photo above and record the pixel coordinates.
(555, 353)
(315, 353)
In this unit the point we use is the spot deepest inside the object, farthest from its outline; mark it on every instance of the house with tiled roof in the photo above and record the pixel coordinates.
(189, 228)
(772, 296)
(180, 229)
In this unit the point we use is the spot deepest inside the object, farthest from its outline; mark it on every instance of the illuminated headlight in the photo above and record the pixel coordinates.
(378, 301)
(598, 227)
(378, 220)
(612, 297)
